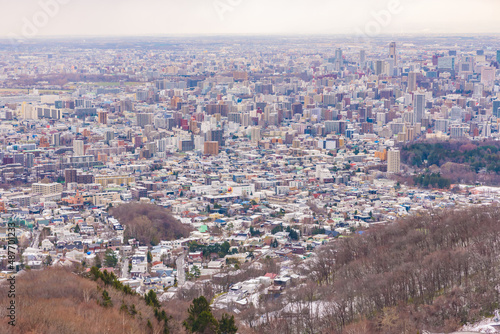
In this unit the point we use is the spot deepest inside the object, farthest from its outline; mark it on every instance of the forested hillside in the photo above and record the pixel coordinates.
(459, 161)
(431, 272)
(57, 301)
(149, 223)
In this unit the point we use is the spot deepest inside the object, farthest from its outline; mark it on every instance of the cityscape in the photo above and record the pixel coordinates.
(250, 184)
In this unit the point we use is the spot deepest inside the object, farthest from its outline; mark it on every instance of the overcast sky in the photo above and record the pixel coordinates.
(167, 17)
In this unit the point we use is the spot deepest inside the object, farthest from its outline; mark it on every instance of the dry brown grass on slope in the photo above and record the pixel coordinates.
(57, 301)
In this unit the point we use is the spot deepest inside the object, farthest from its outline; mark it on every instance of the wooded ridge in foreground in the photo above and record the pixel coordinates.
(433, 272)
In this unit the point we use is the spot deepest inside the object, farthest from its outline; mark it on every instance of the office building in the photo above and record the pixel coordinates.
(29, 160)
(70, 176)
(46, 188)
(102, 117)
(496, 108)
(56, 139)
(362, 58)
(255, 134)
(78, 147)
(144, 119)
(379, 67)
(392, 52)
(488, 76)
(211, 148)
(216, 135)
(393, 161)
(419, 107)
(412, 82)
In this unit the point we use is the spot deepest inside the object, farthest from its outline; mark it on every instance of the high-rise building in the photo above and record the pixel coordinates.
(211, 148)
(56, 139)
(488, 76)
(18, 158)
(144, 119)
(412, 82)
(362, 58)
(234, 117)
(102, 116)
(297, 108)
(255, 134)
(379, 67)
(446, 63)
(498, 56)
(70, 176)
(392, 52)
(109, 136)
(245, 119)
(29, 161)
(419, 107)
(496, 108)
(216, 135)
(393, 161)
(458, 131)
(78, 147)
(339, 60)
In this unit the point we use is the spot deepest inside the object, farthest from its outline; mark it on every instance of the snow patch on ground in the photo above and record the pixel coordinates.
(489, 325)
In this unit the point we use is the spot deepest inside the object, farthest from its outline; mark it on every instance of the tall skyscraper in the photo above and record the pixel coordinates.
(78, 147)
(339, 61)
(392, 52)
(498, 56)
(412, 82)
(419, 107)
(393, 161)
(362, 58)
(379, 67)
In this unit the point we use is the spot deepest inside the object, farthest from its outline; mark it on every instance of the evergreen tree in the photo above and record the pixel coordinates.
(98, 263)
(195, 272)
(225, 247)
(274, 244)
(201, 319)
(227, 325)
(133, 311)
(106, 299)
(48, 260)
(151, 299)
(292, 233)
(150, 257)
(110, 259)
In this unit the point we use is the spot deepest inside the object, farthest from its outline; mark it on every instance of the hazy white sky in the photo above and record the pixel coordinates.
(153, 17)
